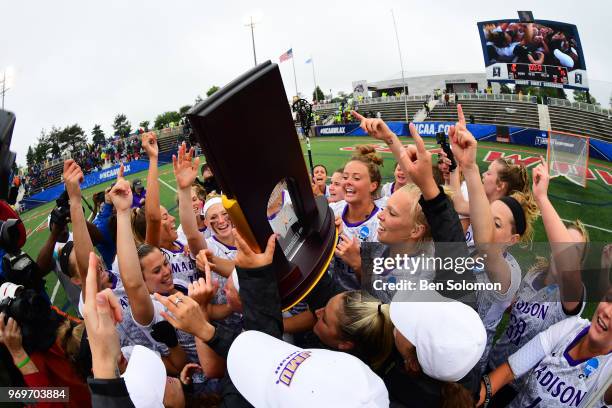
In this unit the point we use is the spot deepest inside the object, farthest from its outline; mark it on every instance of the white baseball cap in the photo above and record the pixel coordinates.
(145, 378)
(448, 335)
(271, 373)
(209, 203)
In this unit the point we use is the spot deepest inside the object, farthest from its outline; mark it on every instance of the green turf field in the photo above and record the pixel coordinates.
(593, 205)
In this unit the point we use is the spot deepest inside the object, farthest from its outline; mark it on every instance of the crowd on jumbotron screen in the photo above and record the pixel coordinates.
(531, 43)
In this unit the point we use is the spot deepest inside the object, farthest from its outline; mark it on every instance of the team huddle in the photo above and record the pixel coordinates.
(531, 43)
(191, 316)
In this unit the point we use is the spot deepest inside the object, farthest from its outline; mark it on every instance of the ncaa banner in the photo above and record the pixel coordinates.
(90, 180)
(598, 149)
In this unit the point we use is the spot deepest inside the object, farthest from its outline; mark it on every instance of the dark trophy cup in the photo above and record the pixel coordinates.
(249, 139)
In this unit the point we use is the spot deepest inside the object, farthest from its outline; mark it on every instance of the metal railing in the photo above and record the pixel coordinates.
(459, 96)
(587, 107)
(497, 97)
(380, 99)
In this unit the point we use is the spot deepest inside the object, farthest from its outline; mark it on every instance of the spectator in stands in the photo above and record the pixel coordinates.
(426, 107)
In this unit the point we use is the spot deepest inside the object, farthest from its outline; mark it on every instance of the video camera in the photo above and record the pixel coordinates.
(38, 322)
(442, 140)
(7, 158)
(17, 266)
(60, 215)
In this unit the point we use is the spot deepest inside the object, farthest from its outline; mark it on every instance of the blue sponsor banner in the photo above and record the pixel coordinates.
(425, 129)
(336, 130)
(90, 180)
(598, 149)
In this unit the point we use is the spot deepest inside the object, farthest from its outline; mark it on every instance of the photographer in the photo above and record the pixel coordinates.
(45, 346)
(98, 200)
(56, 253)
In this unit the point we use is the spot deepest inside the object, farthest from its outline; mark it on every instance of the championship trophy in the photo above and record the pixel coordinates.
(249, 139)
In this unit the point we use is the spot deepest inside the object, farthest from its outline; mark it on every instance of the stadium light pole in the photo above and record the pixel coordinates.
(4, 87)
(399, 50)
(252, 20)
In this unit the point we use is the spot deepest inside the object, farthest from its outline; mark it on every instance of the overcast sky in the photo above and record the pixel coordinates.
(76, 62)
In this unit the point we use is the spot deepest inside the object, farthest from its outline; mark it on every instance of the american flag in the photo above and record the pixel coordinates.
(287, 55)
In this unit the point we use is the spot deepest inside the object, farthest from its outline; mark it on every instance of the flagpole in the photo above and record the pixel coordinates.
(294, 76)
(399, 49)
(314, 79)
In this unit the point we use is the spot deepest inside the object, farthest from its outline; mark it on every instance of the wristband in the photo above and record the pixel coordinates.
(488, 390)
(23, 362)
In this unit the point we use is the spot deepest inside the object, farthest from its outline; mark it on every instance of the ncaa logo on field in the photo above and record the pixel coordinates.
(363, 233)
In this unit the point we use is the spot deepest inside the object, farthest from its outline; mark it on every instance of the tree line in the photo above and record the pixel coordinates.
(73, 138)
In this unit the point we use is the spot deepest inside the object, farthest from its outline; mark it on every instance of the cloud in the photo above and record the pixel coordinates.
(78, 62)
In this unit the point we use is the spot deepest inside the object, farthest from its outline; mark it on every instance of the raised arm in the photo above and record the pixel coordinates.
(413, 161)
(461, 205)
(464, 149)
(379, 130)
(45, 260)
(73, 176)
(152, 211)
(566, 256)
(185, 171)
(129, 265)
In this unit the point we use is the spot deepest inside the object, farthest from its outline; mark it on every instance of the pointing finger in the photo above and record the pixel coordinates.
(460, 115)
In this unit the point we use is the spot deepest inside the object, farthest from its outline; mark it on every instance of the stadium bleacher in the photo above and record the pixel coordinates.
(487, 109)
(523, 114)
(571, 120)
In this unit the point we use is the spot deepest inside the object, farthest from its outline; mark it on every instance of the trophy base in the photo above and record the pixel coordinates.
(314, 255)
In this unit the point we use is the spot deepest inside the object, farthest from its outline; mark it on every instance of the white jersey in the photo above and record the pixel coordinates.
(221, 250)
(130, 333)
(466, 197)
(388, 189)
(186, 340)
(536, 309)
(365, 231)
(381, 202)
(491, 304)
(469, 238)
(182, 238)
(557, 380)
(183, 266)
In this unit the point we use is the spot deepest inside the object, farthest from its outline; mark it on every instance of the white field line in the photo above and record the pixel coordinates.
(36, 229)
(57, 284)
(590, 226)
(172, 188)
